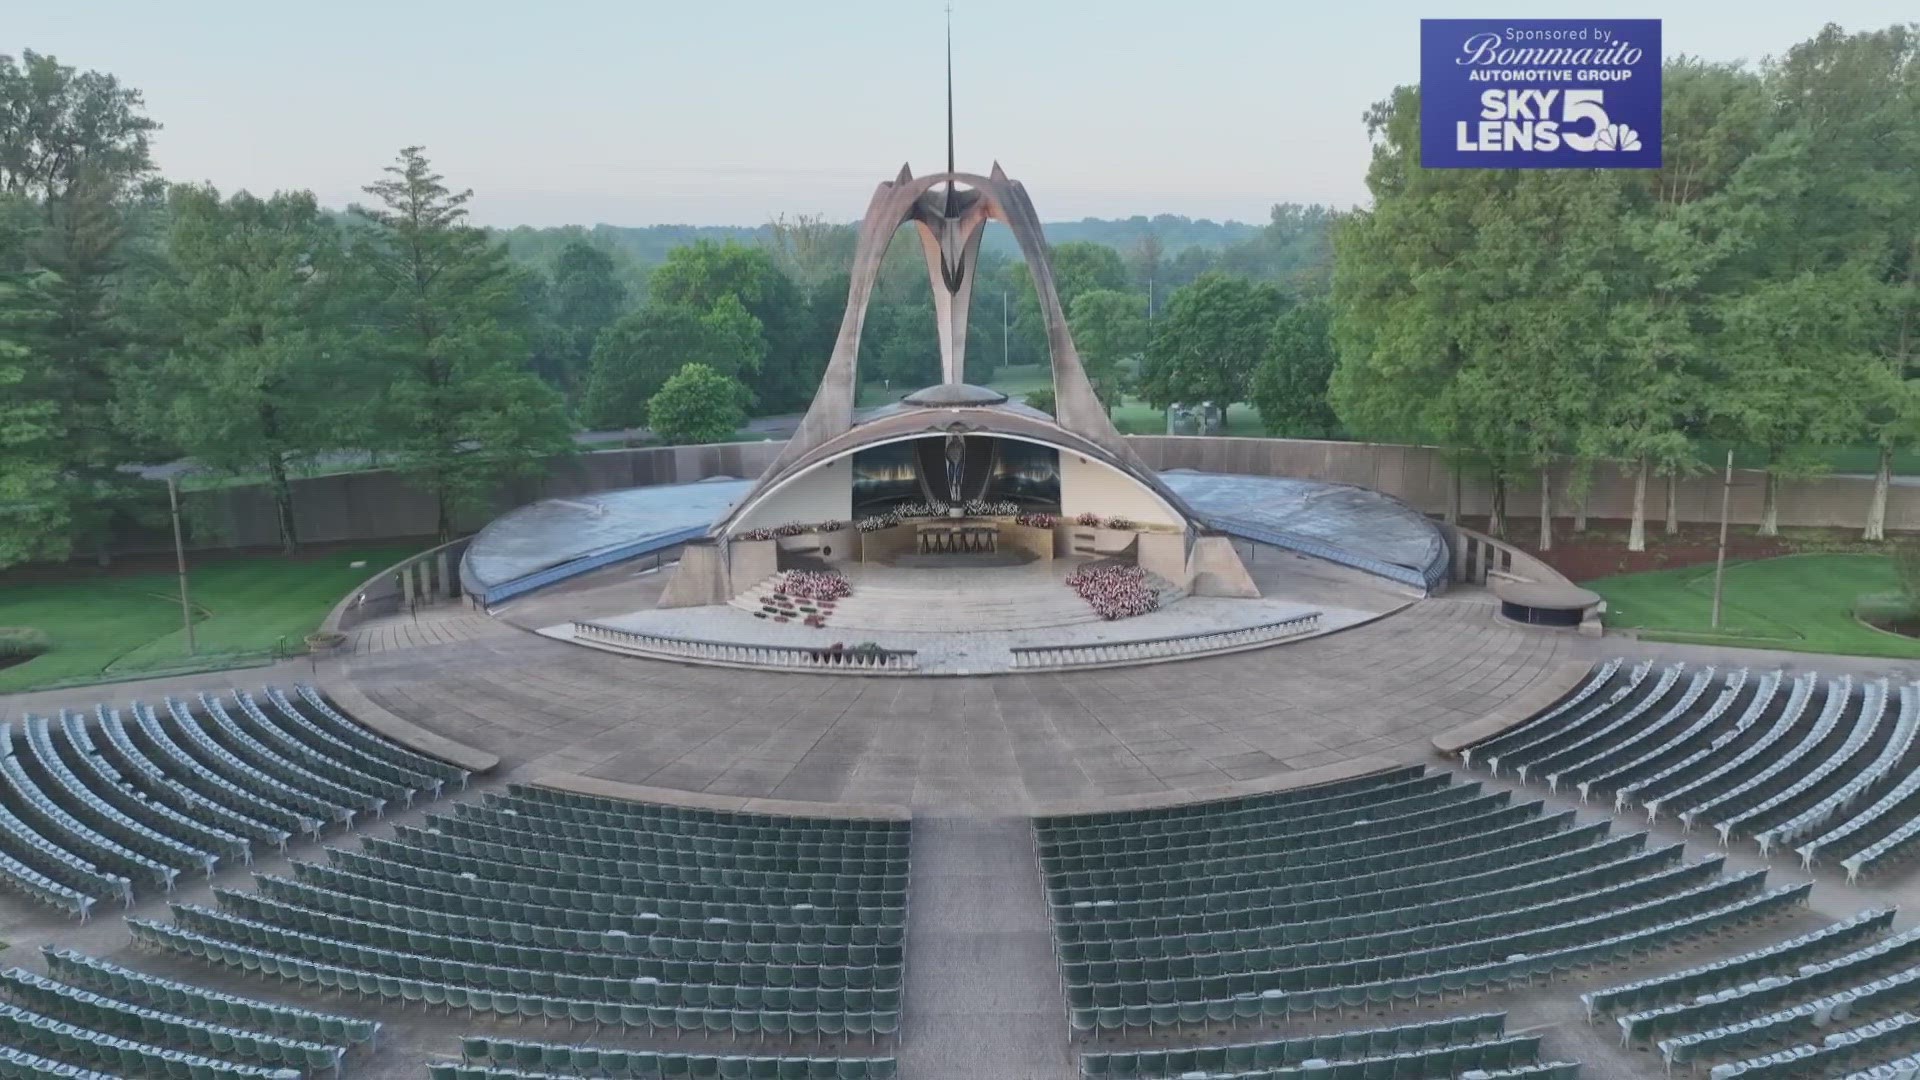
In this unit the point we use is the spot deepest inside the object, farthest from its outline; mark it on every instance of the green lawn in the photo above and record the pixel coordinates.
(115, 626)
(1802, 603)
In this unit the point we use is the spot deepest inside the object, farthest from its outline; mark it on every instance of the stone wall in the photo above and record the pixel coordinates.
(380, 505)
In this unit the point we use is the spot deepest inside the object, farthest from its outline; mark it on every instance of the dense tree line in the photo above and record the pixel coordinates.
(1760, 289)
(262, 336)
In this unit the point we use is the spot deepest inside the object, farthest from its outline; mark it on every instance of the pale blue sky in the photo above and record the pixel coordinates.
(729, 111)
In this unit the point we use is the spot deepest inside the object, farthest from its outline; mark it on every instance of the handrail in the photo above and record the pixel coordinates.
(750, 654)
(1100, 653)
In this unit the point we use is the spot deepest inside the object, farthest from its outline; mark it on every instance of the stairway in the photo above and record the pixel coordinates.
(763, 602)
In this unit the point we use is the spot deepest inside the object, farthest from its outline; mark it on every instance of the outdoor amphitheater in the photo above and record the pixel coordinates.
(957, 739)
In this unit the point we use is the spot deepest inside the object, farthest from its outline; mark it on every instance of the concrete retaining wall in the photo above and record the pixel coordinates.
(381, 505)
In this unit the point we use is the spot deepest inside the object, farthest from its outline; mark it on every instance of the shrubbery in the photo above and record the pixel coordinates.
(19, 641)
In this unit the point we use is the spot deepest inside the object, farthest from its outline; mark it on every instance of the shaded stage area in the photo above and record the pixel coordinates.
(549, 541)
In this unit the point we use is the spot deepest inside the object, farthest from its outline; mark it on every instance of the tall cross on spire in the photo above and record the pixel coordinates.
(949, 109)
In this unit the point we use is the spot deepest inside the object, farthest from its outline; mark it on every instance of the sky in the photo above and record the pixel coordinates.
(732, 111)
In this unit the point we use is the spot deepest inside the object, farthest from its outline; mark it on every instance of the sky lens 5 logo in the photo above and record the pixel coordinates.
(1540, 93)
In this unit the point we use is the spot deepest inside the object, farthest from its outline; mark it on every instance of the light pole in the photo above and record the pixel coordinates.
(1006, 350)
(1720, 558)
(180, 559)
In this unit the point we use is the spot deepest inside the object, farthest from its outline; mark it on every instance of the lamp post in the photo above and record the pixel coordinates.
(180, 559)
(1720, 557)
(1006, 350)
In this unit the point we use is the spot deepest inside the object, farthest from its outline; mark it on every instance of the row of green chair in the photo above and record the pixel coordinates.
(696, 815)
(135, 861)
(1398, 897)
(585, 912)
(442, 852)
(1792, 1022)
(401, 991)
(86, 802)
(1687, 800)
(1257, 821)
(216, 777)
(1273, 969)
(1769, 994)
(1666, 771)
(1517, 898)
(655, 937)
(699, 1066)
(261, 909)
(1274, 1053)
(502, 808)
(1707, 978)
(642, 990)
(189, 788)
(1445, 1061)
(332, 747)
(95, 1012)
(1560, 712)
(1275, 1006)
(317, 708)
(17, 1064)
(135, 796)
(1621, 708)
(394, 862)
(789, 858)
(613, 1062)
(79, 969)
(1837, 1053)
(1524, 846)
(1729, 809)
(1332, 845)
(603, 841)
(281, 753)
(22, 843)
(27, 1030)
(1513, 825)
(337, 764)
(1579, 765)
(257, 754)
(1372, 821)
(246, 772)
(1206, 809)
(34, 885)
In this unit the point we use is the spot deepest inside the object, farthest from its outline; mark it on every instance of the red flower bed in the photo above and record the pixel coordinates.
(1114, 590)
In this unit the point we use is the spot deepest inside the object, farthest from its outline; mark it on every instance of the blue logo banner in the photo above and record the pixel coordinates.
(1540, 93)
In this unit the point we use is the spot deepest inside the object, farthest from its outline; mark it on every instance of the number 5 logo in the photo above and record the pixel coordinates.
(1578, 105)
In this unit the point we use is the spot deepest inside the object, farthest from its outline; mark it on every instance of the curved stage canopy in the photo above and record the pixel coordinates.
(552, 540)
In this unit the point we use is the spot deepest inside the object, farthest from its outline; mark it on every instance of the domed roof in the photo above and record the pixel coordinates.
(948, 395)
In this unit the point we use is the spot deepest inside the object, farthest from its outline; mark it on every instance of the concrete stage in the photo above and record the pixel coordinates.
(968, 621)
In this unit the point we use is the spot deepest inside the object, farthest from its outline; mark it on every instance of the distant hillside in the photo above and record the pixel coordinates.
(640, 248)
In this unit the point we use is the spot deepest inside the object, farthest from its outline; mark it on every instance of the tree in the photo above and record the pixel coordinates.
(636, 356)
(456, 408)
(1110, 330)
(1472, 308)
(701, 273)
(1290, 386)
(74, 146)
(33, 509)
(1208, 340)
(259, 376)
(60, 128)
(696, 405)
(586, 296)
(1856, 100)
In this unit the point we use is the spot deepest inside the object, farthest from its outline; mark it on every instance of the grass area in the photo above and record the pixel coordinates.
(113, 626)
(1802, 603)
